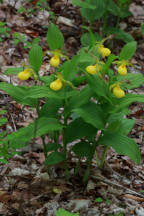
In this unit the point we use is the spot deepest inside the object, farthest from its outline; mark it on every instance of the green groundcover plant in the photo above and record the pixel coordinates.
(109, 13)
(86, 102)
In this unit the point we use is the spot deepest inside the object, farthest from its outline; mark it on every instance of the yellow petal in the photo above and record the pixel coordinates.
(118, 92)
(122, 70)
(55, 61)
(24, 75)
(56, 85)
(104, 51)
(91, 69)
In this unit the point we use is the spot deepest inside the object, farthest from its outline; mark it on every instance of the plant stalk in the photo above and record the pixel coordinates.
(104, 156)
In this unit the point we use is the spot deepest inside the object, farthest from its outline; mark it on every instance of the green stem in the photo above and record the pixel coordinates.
(97, 159)
(64, 142)
(77, 167)
(44, 147)
(87, 172)
(118, 21)
(45, 153)
(104, 156)
(118, 18)
(105, 23)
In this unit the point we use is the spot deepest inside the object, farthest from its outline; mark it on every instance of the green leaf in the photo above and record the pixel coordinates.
(69, 68)
(122, 35)
(80, 98)
(54, 158)
(62, 212)
(52, 147)
(142, 28)
(109, 61)
(113, 8)
(50, 108)
(78, 129)
(18, 93)
(92, 114)
(119, 34)
(83, 149)
(55, 38)
(84, 58)
(79, 80)
(98, 200)
(127, 100)
(35, 57)
(122, 145)
(95, 14)
(123, 126)
(44, 91)
(3, 112)
(98, 85)
(83, 4)
(3, 121)
(23, 135)
(86, 39)
(14, 70)
(3, 161)
(128, 50)
(132, 80)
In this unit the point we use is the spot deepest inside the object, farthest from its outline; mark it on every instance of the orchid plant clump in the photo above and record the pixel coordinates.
(86, 102)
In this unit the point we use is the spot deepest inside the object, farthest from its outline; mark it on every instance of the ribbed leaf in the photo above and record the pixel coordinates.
(92, 114)
(83, 4)
(78, 129)
(98, 85)
(54, 158)
(69, 68)
(18, 93)
(122, 145)
(23, 135)
(52, 147)
(134, 80)
(109, 61)
(128, 50)
(113, 8)
(80, 98)
(94, 14)
(50, 108)
(86, 39)
(14, 70)
(123, 126)
(127, 100)
(44, 91)
(119, 34)
(82, 149)
(55, 38)
(35, 58)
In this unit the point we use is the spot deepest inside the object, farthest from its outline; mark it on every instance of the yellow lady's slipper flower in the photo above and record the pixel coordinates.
(24, 75)
(56, 85)
(91, 69)
(55, 61)
(118, 92)
(122, 70)
(104, 51)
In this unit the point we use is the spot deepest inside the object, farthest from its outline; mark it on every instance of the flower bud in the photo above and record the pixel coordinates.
(24, 75)
(118, 92)
(55, 61)
(122, 70)
(56, 85)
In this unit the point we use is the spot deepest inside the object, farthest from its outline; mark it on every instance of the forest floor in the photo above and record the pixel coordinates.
(26, 188)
